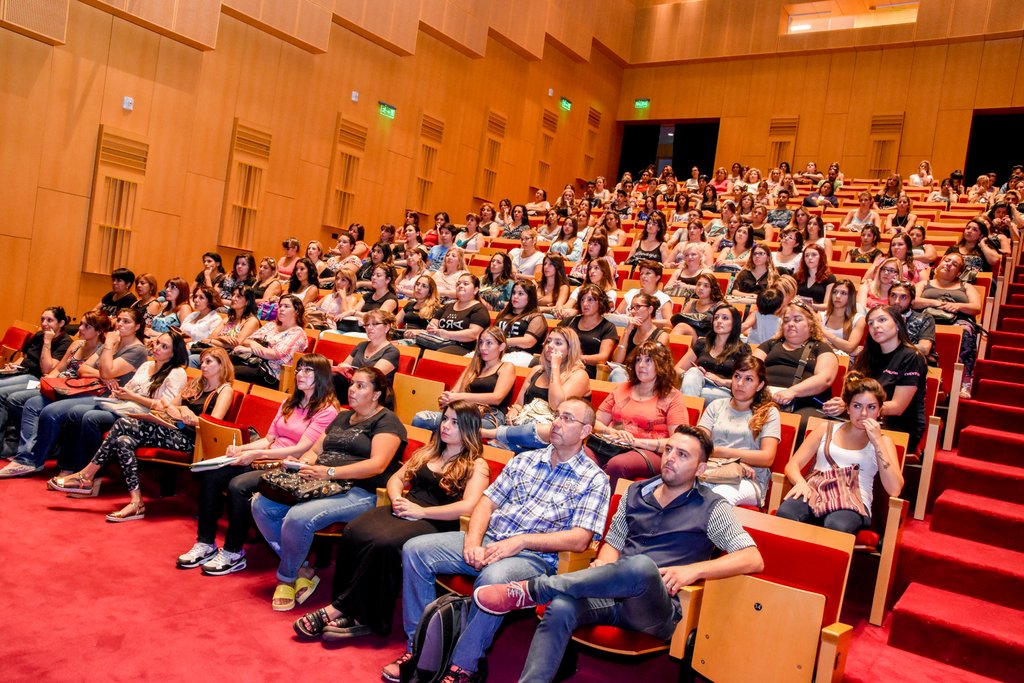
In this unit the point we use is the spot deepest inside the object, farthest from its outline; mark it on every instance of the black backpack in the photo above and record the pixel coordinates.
(439, 629)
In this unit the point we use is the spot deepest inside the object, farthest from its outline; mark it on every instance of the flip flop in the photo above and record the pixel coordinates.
(304, 588)
(284, 598)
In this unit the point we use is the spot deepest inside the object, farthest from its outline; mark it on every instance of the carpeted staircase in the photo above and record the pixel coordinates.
(959, 586)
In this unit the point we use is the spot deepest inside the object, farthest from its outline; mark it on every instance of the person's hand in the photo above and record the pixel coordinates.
(234, 451)
(318, 472)
(676, 578)
(111, 339)
(406, 509)
(949, 306)
(502, 549)
(48, 336)
(799, 491)
(874, 431)
(622, 436)
(784, 397)
(834, 407)
(432, 327)
(444, 399)
(556, 357)
(474, 556)
(632, 322)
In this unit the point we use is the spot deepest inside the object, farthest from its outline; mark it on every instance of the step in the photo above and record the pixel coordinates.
(955, 629)
(998, 391)
(972, 475)
(1002, 353)
(1012, 325)
(982, 571)
(886, 663)
(981, 519)
(999, 370)
(989, 444)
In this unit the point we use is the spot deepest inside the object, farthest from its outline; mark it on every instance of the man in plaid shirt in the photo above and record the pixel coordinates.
(543, 502)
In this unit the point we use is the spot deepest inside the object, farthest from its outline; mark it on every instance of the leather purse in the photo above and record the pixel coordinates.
(56, 388)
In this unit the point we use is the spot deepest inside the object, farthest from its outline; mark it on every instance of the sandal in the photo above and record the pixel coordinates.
(284, 598)
(304, 587)
(397, 664)
(312, 625)
(74, 484)
(129, 513)
(351, 629)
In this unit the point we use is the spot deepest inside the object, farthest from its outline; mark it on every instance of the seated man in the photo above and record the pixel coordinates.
(120, 294)
(661, 539)
(543, 501)
(920, 324)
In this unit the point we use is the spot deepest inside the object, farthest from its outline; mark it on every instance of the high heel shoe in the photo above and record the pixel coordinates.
(75, 485)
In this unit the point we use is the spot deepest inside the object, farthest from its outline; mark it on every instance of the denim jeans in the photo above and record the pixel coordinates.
(694, 384)
(289, 529)
(431, 419)
(629, 593)
(847, 521)
(8, 386)
(519, 438)
(424, 557)
(41, 422)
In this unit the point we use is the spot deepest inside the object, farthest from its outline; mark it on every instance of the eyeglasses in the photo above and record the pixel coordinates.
(890, 271)
(566, 417)
(305, 369)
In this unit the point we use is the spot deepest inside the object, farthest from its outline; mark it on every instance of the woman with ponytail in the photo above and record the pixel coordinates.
(745, 427)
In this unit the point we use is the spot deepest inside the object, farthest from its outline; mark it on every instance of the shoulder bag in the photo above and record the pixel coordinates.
(835, 489)
(56, 388)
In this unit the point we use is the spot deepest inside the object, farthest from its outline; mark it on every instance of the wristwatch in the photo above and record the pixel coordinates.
(330, 473)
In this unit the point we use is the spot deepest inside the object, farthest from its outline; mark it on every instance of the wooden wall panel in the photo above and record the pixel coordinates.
(190, 23)
(57, 231)
(131, 71)
(14, 263)
(994, 80)
(43, 20)
(388, 23)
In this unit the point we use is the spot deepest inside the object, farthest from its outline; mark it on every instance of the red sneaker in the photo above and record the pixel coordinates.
(502, 598)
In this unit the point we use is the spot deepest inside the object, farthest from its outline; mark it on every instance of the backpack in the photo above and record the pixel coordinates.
(439, 629)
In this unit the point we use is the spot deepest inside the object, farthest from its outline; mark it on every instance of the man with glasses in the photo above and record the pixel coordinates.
(543, 502)
(661, 539)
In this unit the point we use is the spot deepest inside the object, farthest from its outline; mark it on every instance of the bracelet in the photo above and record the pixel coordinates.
(330, 472)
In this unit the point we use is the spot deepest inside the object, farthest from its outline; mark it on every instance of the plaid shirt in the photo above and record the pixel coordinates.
(534, 498)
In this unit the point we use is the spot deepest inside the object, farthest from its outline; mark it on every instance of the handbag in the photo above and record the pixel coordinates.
(251, 360)
(432, 342)
(835, 489)
(56, 388)
(942, 317)
(538, 410)
(288, 488)
(603, 449)
(723, 471)
(267, 311)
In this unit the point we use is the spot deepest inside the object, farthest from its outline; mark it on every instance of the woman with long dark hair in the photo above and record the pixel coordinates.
(706, 367)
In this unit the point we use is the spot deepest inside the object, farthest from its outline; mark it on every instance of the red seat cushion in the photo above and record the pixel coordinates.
(614, 638)
(162, 454)
(457, 583)
(333, 529)
(867, 540)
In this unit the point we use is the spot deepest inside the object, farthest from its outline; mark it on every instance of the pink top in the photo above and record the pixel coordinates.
(646, 419)
(290, 431)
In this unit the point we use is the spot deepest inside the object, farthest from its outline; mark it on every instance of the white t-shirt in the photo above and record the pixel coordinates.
(661, 296)
(526, 265)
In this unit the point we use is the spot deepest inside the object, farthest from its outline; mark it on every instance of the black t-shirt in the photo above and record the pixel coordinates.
(904, 367)
(520, 328)
(816, 291)
(110, 305)
(33, 350)
(748, 284)
(590, 340)
(370, 304)
(450, 319)
(345, 443)
(721, 367)
(412, 319)
(389, 353)
(781, 364)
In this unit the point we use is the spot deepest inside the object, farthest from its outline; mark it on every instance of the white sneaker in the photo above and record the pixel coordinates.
(199, 554)
(225, 562)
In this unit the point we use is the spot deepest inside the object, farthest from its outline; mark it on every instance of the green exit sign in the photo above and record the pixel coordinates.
(386, 110)
(641, 104)
(566, 104)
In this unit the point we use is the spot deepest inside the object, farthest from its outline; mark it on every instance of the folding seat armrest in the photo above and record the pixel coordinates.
(690, 598)
(571, 560)
(835, 646)
(776, 491)
(895, 516)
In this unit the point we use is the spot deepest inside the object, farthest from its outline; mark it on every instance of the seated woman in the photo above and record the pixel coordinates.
(204, 318)
(416, 314)
(526, 259)
(650, 244)
(859, 443)
(801, 365)
(974, 248)
(874, 291)
(380, 254)
(597, 249)
(540, 203)
(611, 226)
(148, 304)
(814, 233)
(487, 382)
(377, 351)
(461, 322)
(304, 282)
(155, 384)
(650, 283)
(791, 245)
(814, 278)
(862, 216)
(706, 368)
(496, 284)
(598, 335)
(243, 272)
(520, 222)
(40, 354)
(868, 250)
(315, 254)
(568, 242)
(640, 327)
(121, 354)
(694, 237)
(746, 426)
(299, 423)
(684, 280)
(267, 290)
(548, 230)
(559, 376)
(175, 308)
(732, 258)
(445, 480)
(343, 255)
(363, 445)
(823, 196)
(523, 324)
(637, 418)
(841, 324)
(953, 303)
(240, 324)
(173, 427)
(695, 318)
(381, 297)
(258, 359)
(599, 275)
(341, 303)
(899, 367)
(470, 239)
(212, 272)
(416, 260)
(903, 219)
(758, 272)
(924, 254)
(552, 284)
(286, 264)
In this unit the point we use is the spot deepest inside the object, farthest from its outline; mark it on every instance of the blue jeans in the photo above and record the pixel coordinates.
(431, 419)
(193, 360)
(41, 422)
(289, 529)
(629, 593)
(424, 557)
(694, 384)
(519, 438)
(8, 386)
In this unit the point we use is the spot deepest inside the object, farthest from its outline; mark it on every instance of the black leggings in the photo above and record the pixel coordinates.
(240, 483)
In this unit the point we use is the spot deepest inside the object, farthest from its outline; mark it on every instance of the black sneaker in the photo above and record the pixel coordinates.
(225, 562)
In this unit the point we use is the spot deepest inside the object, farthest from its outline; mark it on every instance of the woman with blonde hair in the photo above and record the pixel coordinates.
(447, 275)
(416, 314)
(874, 291)
(842, 326)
